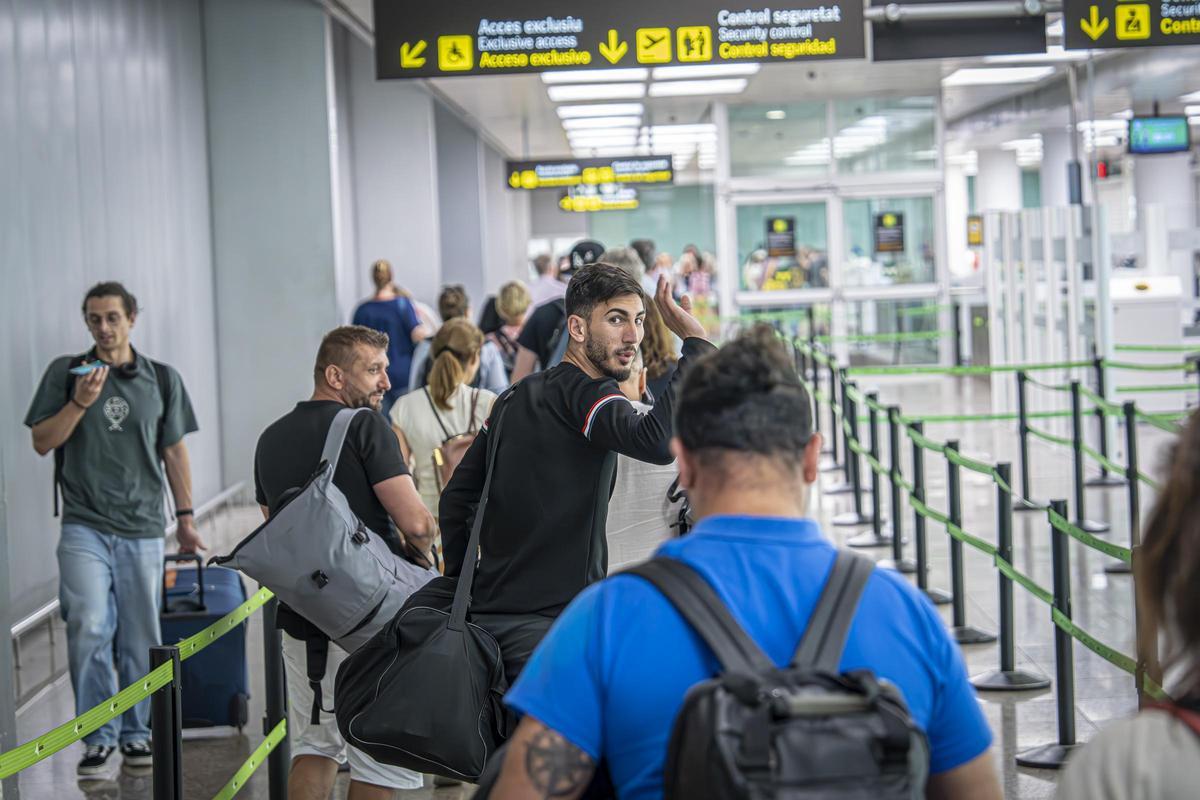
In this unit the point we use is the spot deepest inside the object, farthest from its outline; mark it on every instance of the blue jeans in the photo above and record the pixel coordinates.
(110, 590)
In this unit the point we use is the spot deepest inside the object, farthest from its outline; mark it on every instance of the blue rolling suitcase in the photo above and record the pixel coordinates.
(215, 682)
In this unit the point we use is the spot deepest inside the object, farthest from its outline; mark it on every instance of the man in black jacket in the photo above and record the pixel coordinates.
(543, 539)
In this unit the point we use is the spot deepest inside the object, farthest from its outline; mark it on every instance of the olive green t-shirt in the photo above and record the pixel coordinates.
(112, 477)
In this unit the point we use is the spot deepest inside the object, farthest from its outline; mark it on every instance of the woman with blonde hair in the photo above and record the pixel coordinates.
(441, 419)
(512, 306)
(393, 311)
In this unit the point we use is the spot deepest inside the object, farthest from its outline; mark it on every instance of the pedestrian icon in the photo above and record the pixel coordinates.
(1133, 21)
(694, 43)
(455, 53)
(653, 45)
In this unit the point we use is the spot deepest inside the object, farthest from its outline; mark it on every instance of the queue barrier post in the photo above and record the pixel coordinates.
(166, 720)
(1053, 756)
(1008, 678)
(962, 632)
(279, 762)
(897, 562)
(833, 420)
(956, 310)
(848, 421)
(854, 517)
(1133, 487)
(876, 536)
(1081, 520)
(937, 596)
(1026, 502)
(1104, 478)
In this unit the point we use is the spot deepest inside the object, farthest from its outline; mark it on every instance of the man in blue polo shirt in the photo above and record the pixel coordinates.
(609, 679)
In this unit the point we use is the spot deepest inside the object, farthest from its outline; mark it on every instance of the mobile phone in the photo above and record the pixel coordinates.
(84, 369)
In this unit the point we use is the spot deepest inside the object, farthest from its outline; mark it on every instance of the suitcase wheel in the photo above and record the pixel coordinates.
(239, 710)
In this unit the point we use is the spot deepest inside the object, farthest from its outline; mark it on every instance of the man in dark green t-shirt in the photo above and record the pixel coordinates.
(114, 425)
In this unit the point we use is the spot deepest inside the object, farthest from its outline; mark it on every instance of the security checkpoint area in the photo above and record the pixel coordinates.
(970, 228)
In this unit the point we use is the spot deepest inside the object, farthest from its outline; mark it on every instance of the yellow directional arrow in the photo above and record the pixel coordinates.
(1096, 26)
(410, 55)
(614, 50)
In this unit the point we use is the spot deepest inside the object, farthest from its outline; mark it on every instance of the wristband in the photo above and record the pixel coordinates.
(81, 405)
(183, 512)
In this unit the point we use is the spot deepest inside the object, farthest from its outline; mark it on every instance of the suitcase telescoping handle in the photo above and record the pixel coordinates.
(176, 558)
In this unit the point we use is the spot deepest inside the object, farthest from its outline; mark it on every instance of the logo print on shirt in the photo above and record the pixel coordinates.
(116, 409)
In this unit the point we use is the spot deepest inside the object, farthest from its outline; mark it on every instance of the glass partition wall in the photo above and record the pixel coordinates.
(838, 205)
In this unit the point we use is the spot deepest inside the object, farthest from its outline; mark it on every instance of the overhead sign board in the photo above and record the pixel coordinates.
(781, 236)
(429, 40)
(1091, 24)
(889, 232)
(606, 197)
(911, 39)
(529, 175)
(974, 230)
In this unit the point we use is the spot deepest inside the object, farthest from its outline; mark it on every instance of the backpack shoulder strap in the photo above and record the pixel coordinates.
(162, 374)
(337, 437)
(698, 603)
(446, 435)
(825, 638)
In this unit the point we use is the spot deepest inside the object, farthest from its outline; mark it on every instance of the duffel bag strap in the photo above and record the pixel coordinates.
(825, 638)
(336, 437)
(316, 652)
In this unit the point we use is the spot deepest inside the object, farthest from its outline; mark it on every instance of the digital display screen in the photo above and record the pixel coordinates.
(1153, 135)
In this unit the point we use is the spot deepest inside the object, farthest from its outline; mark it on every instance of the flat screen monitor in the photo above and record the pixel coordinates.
(1153, 135)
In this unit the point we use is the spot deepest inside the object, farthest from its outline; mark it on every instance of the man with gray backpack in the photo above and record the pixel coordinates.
(323, 440)
(750, 658)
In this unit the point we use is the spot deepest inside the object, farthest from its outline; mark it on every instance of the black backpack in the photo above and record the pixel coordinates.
(161, 376)
(797, 732)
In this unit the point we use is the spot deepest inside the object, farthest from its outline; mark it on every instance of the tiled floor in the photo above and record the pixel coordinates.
(1103, 605)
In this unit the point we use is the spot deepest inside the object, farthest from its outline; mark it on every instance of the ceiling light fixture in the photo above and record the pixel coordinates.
(601, 110)
(593, 75)
(776, 113)
(597, 91)
(996, 76)
(601, 123)
(696, 88)
(1194, 97)
(704, 71)
(1054, 52)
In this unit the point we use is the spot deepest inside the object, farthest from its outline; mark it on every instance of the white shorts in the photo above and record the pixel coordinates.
(325, 740)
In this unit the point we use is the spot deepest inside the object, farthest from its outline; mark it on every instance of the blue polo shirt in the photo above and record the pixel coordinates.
(612, 673)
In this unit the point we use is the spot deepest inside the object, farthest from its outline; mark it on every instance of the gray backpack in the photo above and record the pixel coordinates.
(804, 730)
(322, 561)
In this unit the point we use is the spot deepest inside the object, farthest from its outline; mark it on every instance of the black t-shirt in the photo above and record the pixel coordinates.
(543, 536)
(289, 452)
(539, 329)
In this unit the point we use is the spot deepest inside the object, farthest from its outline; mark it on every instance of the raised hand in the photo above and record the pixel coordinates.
(677, 316)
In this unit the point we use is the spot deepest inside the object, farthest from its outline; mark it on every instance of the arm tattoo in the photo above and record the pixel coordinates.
(556, 768)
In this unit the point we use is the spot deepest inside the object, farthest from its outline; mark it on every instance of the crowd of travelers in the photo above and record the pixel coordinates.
(667, 619)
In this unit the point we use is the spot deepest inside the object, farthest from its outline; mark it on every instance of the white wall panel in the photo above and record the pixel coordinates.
(104, 174)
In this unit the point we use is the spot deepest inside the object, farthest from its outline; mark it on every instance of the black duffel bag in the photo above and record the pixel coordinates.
(426, 693)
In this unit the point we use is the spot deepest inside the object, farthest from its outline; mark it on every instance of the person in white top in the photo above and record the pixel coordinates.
(640, 515)
(447, 407)
(1156, 754)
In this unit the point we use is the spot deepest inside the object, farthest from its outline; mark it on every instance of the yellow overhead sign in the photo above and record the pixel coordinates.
(456, 53)
(653, 45)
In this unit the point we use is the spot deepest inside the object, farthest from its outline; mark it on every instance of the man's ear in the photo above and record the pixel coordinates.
(334, 377)
(132, 319)
(811, 462)
(684, 462)
(577, 327)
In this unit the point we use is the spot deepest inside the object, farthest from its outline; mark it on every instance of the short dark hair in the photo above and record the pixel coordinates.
(112, 289)
(598, 283)
(453, 302)
(338, 346)
(645, 250)
(747, 399)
